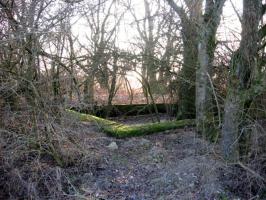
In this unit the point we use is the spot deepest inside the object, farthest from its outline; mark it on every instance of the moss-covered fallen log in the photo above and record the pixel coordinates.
(119, 130)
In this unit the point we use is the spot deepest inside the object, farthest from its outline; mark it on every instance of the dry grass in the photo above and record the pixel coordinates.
(39, 154)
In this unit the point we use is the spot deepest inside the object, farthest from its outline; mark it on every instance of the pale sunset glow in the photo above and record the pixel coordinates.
(229, 29)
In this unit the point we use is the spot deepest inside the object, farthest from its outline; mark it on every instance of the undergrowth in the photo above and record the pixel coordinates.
(39, 154)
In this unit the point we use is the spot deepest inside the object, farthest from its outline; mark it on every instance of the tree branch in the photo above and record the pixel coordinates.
(179, 10)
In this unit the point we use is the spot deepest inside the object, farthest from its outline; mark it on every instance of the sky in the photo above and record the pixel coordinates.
(229, 26)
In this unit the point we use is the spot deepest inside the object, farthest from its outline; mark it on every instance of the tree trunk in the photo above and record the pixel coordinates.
(206, 47)
(204, 105)
(71, 65)
(28, 84)
(186, 90)
(232, 114)
(89, 90)
(112, 88)
(242, 69)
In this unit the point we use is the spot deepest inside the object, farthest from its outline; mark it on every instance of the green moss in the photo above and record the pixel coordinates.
(121, 131)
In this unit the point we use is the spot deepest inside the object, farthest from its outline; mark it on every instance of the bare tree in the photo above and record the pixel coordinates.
(102, 37)
(150, 31)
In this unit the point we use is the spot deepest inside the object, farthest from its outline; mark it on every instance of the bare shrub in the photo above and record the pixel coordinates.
(39, 154)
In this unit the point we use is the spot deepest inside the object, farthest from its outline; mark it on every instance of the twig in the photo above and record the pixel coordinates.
(255, 174)
(237, 13)
(216, 100)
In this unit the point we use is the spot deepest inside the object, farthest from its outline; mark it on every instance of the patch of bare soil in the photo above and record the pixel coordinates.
(174, 164)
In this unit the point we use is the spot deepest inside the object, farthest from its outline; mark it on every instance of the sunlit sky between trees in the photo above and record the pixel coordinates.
(229, 29)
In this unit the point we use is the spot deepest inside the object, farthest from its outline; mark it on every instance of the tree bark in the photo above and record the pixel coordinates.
(112, 89)
(242, 69)
(89, 89)
(206, 47)
(186, 90)
(187, 79)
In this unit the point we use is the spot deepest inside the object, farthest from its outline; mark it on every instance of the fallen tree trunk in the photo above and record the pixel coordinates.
(118, 130)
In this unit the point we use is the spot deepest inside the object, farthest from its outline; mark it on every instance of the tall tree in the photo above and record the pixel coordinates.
(199, 32)
(206, 47)
(189, 32)
(149, 28)
(27, 24)
(240, 85)
(103, 24)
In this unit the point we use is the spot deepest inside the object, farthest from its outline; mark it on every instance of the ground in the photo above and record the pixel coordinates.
(173, 164)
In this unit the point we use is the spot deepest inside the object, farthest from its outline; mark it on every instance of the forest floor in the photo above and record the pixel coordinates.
(174, 164)
(170, 165)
